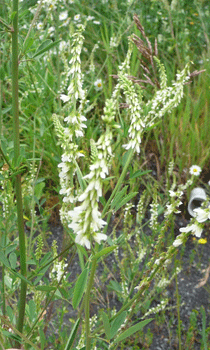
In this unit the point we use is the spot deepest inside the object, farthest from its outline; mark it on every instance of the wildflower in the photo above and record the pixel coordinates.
(177, 242)
(195, 170)
(202, 214)
(64, 98)
(196, 229)
(175, 194)
(51, 29)
(96, 22)
(39, 26)
(202, 241)
(62, 45)
(98, 85)
(137, 125)
(90, 18)
(58, 270)
(113, 41)
(86, 219)
(77, 17)
(63, 15)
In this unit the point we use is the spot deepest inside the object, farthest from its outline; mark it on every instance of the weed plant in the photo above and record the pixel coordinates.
(84, 93)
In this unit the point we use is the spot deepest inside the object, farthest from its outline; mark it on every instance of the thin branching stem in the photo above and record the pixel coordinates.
(15, 110)
(87, 304)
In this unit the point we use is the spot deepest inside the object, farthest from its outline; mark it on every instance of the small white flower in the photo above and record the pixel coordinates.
(177, 242)
(100, 237)
(63, 15)
(90, 18)
(77, 17)
(202, 214)
(51, 30)
(96, 22)
(197, 230)
(39, 26)
(98, 85)
(195, 170)
(172, 193)
(64, 98)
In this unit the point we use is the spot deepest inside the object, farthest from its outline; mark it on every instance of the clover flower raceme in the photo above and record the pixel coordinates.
(86, 219)
(136, 123)
(74, 74)
(168, 97)
(174, 203)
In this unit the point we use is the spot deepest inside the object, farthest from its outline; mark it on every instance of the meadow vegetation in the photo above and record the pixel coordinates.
(104, 125)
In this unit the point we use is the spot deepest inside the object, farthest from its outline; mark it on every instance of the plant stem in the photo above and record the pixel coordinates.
(87, 304)
(18, 193)
(121, 178)
(178, 313)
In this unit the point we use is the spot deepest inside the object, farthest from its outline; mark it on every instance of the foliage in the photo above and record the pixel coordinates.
(96, 89)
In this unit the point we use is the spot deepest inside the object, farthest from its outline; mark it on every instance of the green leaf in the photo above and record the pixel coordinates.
(28, 43)
(45, 46)
(45, 288)
(72, 335)
(125, 200)
(4, 260)
(13, 15)
(139, 173)
(17, 274)
(103, 252)
(80, 287)
(117, 198)
(38, 191)
(137, 327)
(114, 285)
(80, 177)
(118, 321)
(32, 310)
(106, 324)
(13, 260)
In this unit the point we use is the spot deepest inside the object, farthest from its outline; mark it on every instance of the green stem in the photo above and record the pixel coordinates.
(121, 178)
(178, 312)
(18, 193)
(87, 304)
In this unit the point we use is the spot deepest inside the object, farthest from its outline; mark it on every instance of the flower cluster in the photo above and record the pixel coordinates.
(202, 214)
(85, 220)
(168, 97)
(75, 90)
(137, 124)
(58, 269)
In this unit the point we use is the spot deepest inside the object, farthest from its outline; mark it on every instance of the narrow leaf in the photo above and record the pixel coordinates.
(45, 288)
(106, 324)
(137, 327)
(72, 335)
(125, 200)
(116, 200)
(140, 173)
(45, 46)
(103, 252)
(80, 287)
(118, 321)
